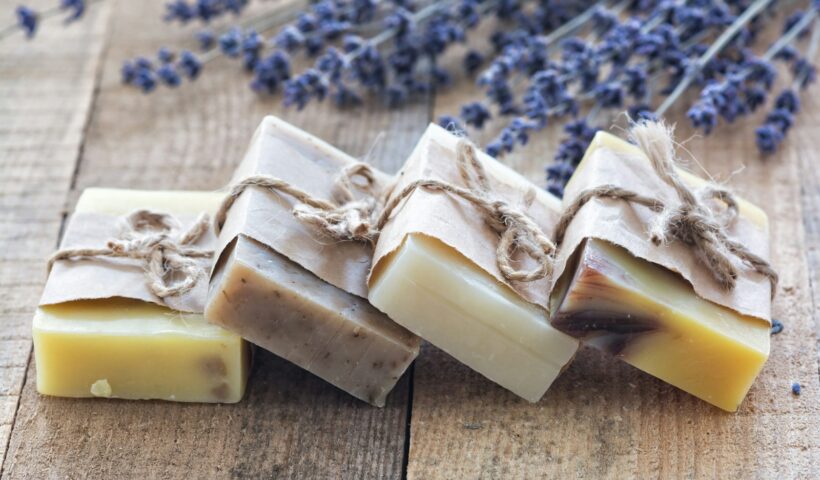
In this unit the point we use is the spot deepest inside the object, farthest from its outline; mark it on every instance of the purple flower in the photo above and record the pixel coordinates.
(290, 39)
(788, 100)
(560, 171)
(206, 39)
(473, 61)
(204, 10)
(165, 55)
(768, 138)
(189, 64)
(270, 72)
(703, 115)
(609, 95)
(27, 20)
(368, 68)
(450, 123)
(76, 9)
(475, 114)
(252, 44)
(168, 74)
(641, 112)
(755, 96)
(145, 80)
(344, 96)
(331, 64)
(231, 42)
(635, 81)
(804, 72)
(781, 118)
(300, 90)
(401, 21)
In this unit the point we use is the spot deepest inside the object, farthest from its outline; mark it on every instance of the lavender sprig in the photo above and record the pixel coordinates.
(28, 19)
(787, 104)
(203, 10)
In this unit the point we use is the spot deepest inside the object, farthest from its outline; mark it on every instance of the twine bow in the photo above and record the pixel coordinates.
(515, 228)
(156, 240)
(347, 220)
(697, 219)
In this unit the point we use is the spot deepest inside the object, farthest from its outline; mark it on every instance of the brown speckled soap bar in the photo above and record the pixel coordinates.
(284, 287)
(283, 308)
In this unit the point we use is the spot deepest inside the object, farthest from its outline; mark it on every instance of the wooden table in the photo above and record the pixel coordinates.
(67, 123)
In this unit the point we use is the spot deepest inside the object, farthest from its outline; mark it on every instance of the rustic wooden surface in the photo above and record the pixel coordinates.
(66, 123)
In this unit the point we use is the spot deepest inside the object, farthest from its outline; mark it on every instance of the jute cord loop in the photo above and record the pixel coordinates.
(155, 239)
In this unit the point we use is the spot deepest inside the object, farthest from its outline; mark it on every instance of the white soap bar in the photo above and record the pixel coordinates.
(436, 293)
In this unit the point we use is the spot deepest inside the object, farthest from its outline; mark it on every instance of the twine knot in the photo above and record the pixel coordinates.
(349, 219)
(156, 240)
(516, 229)
(698, 219)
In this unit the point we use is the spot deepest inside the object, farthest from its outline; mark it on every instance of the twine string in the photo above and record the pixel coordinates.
(156, 240)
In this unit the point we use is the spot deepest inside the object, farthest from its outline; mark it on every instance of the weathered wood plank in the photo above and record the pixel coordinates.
(291, 424)
(605, 419)
(46, 91)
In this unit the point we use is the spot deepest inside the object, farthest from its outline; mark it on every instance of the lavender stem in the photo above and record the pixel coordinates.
(722, 41)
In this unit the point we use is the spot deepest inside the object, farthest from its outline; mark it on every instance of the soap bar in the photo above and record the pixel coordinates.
(444, 298)
(655, 306)
(285, 309)
(130, 348)
(435, 273)
(282, 285)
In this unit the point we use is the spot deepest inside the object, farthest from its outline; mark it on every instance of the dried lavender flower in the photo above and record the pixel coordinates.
(204, 10)
(27, 19)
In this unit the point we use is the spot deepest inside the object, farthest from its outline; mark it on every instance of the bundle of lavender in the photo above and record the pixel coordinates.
(572, 62)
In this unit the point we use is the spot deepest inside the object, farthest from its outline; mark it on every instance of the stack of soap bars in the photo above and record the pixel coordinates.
(354, 312)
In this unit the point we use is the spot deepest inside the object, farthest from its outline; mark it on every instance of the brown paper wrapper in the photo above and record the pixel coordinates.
(456, 222)
(613, 161)
(101, 278)
(283, 151)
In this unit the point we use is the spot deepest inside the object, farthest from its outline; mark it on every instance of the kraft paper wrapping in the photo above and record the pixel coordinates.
(283, 151)
(613, 161)
(101, 277)
(457, 223)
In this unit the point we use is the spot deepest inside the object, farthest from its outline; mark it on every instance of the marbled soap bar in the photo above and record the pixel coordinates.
(133, 349)
(436, 275)
(651, 316)
(285, 309)
(282, 285)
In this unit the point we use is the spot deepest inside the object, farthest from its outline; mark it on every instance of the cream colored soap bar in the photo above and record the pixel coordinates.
(445, 299)
(436, 273)
(287, 310)
(123, 348)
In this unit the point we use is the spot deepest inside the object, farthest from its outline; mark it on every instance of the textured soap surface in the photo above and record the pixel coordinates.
(280, 306)
(444, 298)
(651, 318)
(124, 348)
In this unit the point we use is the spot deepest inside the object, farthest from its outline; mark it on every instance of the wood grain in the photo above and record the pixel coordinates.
(605, 419)
(291, 424)
(46, 91)
(601, 419)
